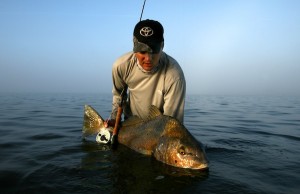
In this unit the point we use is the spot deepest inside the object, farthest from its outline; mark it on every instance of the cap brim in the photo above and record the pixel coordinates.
(153, 47)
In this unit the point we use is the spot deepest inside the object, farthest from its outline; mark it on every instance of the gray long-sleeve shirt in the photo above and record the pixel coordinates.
(165, 87)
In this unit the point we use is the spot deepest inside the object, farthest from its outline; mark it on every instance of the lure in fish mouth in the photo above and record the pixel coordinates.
(160, 136)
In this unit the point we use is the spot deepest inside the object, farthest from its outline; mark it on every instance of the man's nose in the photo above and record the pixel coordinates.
(148, 56)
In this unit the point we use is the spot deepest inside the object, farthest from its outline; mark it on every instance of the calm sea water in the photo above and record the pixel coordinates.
(253, 144)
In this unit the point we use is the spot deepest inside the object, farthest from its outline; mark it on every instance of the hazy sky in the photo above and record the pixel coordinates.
(223, 46)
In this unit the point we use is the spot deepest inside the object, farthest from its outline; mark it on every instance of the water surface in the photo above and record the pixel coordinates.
(252, 143)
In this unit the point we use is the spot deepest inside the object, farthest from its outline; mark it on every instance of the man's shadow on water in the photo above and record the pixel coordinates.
(122, 170)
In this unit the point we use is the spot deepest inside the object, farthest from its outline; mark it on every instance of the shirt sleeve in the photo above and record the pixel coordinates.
(175, 99)
(118, 86)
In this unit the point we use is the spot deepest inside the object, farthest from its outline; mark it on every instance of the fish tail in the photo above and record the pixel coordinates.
(92, 121)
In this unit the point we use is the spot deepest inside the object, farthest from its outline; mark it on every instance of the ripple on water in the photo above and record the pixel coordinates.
(46, 136)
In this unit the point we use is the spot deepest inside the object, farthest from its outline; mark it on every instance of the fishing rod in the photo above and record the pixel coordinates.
(142, 10)
(114, 139)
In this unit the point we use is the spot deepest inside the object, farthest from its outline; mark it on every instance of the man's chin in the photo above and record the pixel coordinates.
(148, 68)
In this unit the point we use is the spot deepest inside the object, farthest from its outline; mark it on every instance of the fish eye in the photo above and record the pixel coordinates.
(181, 151)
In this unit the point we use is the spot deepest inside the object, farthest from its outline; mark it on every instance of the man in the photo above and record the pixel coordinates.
(150, 75)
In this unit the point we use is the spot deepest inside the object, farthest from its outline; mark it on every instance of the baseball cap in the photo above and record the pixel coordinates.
(148, 36)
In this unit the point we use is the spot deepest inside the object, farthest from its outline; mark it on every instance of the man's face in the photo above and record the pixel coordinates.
(148, 60)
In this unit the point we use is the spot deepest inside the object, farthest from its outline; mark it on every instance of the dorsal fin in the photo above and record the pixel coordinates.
(92, 121)
(154, 112)
(134, 120)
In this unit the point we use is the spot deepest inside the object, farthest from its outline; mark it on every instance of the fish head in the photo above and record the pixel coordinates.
(177, 147)
(182, 154)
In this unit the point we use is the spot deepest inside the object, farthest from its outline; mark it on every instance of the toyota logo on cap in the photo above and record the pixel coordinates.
(146, 31)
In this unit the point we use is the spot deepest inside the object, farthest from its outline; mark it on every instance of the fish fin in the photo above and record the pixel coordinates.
(134, 120)
(175, 129)
(92, 121)
(154, 112)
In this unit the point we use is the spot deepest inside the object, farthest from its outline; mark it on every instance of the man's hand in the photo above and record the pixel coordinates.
(109, 123)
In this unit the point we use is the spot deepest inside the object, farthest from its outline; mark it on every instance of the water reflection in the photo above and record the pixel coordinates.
(122, 170)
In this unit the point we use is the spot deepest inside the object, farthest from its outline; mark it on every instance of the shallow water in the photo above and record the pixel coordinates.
(252, 144)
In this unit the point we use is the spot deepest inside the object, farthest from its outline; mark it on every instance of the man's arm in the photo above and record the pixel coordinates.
(175, 100)
(118, 86)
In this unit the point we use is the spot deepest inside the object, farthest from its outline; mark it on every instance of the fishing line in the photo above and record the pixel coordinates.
(142, 10)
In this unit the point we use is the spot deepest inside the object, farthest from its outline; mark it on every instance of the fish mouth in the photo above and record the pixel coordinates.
(202, 167)
(199, 166)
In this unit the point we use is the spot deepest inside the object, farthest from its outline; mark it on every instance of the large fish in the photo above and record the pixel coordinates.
(161, 136)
